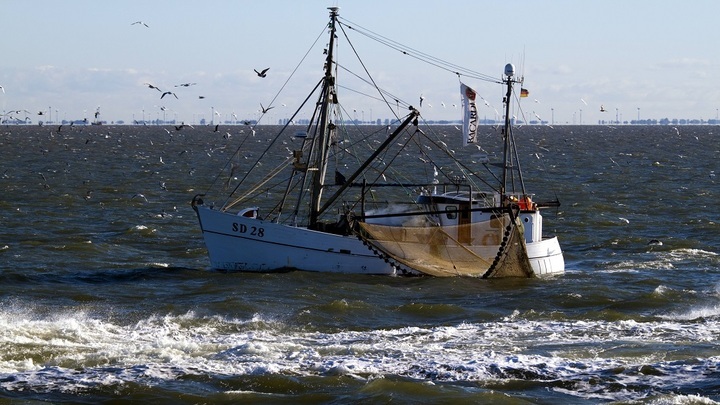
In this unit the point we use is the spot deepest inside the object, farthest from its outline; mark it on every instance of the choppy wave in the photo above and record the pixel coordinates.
(76, 352)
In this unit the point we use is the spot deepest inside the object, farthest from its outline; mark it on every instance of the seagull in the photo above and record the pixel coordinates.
(216, 127)
(3, 89)
(263, 73)
(185, 84)
(602, 108)
(265, 110)
(168, 92)
(138, 195)
(421, 100)
(141, 23)
(583, 101)
(182, 125)
(153, 87)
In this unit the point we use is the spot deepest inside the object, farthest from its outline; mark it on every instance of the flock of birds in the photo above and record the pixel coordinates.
(14, 114)
(262, 73)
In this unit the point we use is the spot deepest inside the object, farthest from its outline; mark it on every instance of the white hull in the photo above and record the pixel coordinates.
(546, 258)
(248, 244)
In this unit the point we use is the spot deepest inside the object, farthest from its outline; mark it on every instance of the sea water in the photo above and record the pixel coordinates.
(106, 293)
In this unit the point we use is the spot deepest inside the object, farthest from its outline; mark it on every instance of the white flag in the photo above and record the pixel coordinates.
(470, 116)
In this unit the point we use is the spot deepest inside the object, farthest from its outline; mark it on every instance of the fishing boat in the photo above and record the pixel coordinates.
(400, 202)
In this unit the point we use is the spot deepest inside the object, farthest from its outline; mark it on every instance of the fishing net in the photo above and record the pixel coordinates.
(494, 248)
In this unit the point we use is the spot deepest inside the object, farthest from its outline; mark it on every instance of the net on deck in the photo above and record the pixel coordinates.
(489, 249)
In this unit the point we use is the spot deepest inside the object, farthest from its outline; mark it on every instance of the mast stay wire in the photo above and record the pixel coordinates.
(419, 55)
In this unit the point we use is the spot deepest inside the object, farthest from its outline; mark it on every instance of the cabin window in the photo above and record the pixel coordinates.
(451, 212)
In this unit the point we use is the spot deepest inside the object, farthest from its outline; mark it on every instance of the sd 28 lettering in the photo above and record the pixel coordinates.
(252, 230)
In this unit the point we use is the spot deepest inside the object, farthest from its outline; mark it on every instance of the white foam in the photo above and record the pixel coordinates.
(83, 350)
(695, 313)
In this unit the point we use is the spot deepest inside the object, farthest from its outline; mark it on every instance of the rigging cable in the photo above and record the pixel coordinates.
(419, 55)
(366, 70)
(281, 131)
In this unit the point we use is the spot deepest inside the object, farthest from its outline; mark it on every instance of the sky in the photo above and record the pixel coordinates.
(650, 59)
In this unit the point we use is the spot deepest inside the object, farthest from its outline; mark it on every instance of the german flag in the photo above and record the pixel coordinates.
(524, 93)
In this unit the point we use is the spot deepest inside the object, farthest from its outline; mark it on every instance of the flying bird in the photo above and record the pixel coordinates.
(421, 100)
(185, 84)
(141, 23)
(3, 89)
(262, 73)
(153, 87)
(168, 92)
(264, 110)
(183, 125)
(602, 108)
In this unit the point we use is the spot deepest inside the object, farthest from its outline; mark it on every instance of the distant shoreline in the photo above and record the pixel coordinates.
(437, 123)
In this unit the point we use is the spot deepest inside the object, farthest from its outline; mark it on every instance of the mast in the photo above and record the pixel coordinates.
(509, 164)
(321, 145)
(412, 117)
(509, 72)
